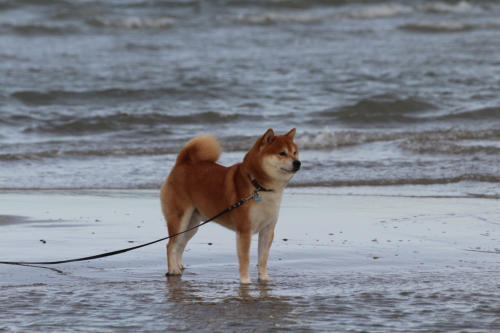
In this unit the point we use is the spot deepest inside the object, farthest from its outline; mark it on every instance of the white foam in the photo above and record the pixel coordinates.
(135, 22)
(380, 11)
(328, 139)
(441, 7)
(273, 18)
(393, 10)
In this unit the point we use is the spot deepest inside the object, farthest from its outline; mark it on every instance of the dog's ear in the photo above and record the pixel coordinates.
(268, 137)
(291, 134)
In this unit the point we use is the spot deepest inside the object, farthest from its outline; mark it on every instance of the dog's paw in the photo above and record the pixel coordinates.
(264, 278)
(174, 272)
(245, 280)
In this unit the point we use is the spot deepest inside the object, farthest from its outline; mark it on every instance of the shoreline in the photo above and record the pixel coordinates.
(463, 189)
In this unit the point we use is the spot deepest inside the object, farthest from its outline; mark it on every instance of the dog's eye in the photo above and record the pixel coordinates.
(294, 153)
(282, 153)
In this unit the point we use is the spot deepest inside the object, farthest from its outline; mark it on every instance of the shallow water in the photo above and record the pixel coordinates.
(419, 301)
(104, 94)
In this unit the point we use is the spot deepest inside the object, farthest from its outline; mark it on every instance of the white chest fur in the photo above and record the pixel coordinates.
(265, 212)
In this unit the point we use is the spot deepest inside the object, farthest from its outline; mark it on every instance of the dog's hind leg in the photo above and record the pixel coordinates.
(184, 238)
(177, 221)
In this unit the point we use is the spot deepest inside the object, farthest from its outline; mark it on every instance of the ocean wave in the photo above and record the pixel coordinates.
(275, 18)
(380, 11)
(489, 113)
(433, 147)
(92, 153)
(126, 121)
(33, 98)
(455, 142)
(466, 177)
(387, 109)
(18, 3)
(415, 141)
(132, 22)
(448, 26)
(293, 4)
(327, 139)
(37, 29)
(137, 147)
(443, 7)
(381, 108)
(30, 97)
(16, 119)
(439, 27)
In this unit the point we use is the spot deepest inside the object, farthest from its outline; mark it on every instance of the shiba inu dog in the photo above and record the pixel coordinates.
(198, 187)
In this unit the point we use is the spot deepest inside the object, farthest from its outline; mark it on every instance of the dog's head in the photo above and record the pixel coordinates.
(277, 156)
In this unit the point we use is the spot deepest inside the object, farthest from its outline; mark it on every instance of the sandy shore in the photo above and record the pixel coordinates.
(341, 263)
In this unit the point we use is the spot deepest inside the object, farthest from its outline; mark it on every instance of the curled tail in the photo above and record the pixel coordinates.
(203, 148)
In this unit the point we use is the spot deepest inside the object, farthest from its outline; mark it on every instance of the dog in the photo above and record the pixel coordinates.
(198, 187)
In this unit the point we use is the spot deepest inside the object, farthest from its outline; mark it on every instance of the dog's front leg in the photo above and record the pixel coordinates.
(243, 240)
(265, 240)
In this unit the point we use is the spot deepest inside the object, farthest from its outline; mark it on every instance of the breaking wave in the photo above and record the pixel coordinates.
(275, 18)
(443, 7)
(328, 139)
(434, 147)
(392, 10)
(437, 141)
(133, 22)
(454, 142)
(380, 11)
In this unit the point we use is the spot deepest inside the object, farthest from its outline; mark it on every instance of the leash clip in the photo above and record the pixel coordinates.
(256, 196)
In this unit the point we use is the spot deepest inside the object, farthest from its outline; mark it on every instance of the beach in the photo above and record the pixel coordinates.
(343, 263)
(392, 223)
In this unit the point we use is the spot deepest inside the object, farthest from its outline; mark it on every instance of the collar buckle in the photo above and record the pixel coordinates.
(259, 187)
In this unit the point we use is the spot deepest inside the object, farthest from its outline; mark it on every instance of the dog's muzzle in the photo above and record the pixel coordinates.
(296, 165)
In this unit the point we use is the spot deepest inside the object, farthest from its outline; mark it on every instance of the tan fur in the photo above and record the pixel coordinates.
(204, 148)
(199, 188)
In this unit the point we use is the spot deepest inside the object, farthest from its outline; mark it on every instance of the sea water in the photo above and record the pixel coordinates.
(382, 93)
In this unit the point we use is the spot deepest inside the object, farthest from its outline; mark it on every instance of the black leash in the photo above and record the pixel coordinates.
(254, 195)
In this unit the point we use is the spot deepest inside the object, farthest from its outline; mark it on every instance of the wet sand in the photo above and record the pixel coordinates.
(338, 263)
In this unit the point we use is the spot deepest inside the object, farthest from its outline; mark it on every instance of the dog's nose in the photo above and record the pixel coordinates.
(296, 165)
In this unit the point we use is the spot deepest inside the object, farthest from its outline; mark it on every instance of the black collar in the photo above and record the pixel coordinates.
(259, 187)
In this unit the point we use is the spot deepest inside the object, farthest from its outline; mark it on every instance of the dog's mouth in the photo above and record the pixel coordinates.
(288, 171)
(294, 169)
